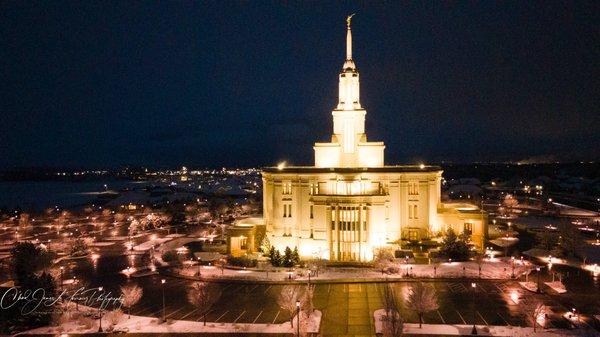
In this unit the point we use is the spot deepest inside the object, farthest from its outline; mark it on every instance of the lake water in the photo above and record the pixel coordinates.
(38, 195)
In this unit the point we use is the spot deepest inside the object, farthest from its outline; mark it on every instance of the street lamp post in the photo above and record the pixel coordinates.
(199, 260)
(474, 330)
(513, 266)
(163, 299)
(298, 315)
(539, 290)
(100, 313)
(61, 277)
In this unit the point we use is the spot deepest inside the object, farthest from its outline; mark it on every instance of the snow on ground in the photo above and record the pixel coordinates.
(545, 256)
(150, 243)
(142, 324)
(314, 321)
(573, 211)
(8, 246)
(175, 235)
(531, 286)
(557, 286)
(117, 238)
(465, 330)
(494, 269)
(102, 244)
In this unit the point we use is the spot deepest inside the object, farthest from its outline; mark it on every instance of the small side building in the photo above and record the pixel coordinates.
(245, 236)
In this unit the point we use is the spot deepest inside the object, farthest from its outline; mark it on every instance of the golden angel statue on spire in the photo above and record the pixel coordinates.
(349, 19)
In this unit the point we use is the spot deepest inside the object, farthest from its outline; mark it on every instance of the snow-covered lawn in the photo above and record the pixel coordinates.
(465, 329)
(175, 235)
(7, 246)
(531, 286)
(117, 238)
(492, 269)
(572, 317)
(141, 324)
(557, 286)
(148, 244)
(102, 244)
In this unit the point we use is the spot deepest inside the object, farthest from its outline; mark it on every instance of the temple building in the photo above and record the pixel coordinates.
(349, 203)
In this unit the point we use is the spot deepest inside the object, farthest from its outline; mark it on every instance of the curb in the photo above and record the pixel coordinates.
(329, 281)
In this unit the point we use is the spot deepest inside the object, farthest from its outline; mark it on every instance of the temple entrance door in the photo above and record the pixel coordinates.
(413, 235)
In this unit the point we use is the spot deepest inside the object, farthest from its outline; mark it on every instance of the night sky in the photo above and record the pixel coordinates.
(205, 84)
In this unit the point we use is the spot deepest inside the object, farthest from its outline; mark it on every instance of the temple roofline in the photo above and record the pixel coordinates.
(381, 169)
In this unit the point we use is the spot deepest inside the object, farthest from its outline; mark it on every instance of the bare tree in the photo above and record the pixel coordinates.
(383, 259)
(114, 316)
(131, 296)
(422, 298)
(570, 241)
(203, 295)
(480, 260)
(392, 323)
(287, 300)
(309, 294)
(535, 311)
(510, 202)
(317, 265)
(24, 220)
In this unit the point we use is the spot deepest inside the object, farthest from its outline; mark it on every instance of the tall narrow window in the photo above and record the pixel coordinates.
(468, 228)
(413, 188)
(289, 211)
(412, 211)
(287, 188)
(311, 211)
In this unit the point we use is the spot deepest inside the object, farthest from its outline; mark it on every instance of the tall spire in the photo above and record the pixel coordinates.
(349, 37)
(349, 63)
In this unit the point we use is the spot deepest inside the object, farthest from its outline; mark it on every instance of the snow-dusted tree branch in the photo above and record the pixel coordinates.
(131, 295)
(422, 298)
(203, 295)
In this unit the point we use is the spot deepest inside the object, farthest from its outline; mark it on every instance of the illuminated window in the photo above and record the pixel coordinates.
(468, 228)
(287, 188)
(412, 211)
(413, 188)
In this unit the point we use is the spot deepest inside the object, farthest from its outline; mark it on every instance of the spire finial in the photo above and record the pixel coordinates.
(349, 38)
(349, 20)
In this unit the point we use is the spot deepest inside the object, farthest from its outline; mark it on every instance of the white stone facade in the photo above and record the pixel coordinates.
(350, 203)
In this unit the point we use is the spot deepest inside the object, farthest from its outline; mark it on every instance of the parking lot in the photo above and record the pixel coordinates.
(348, 308)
